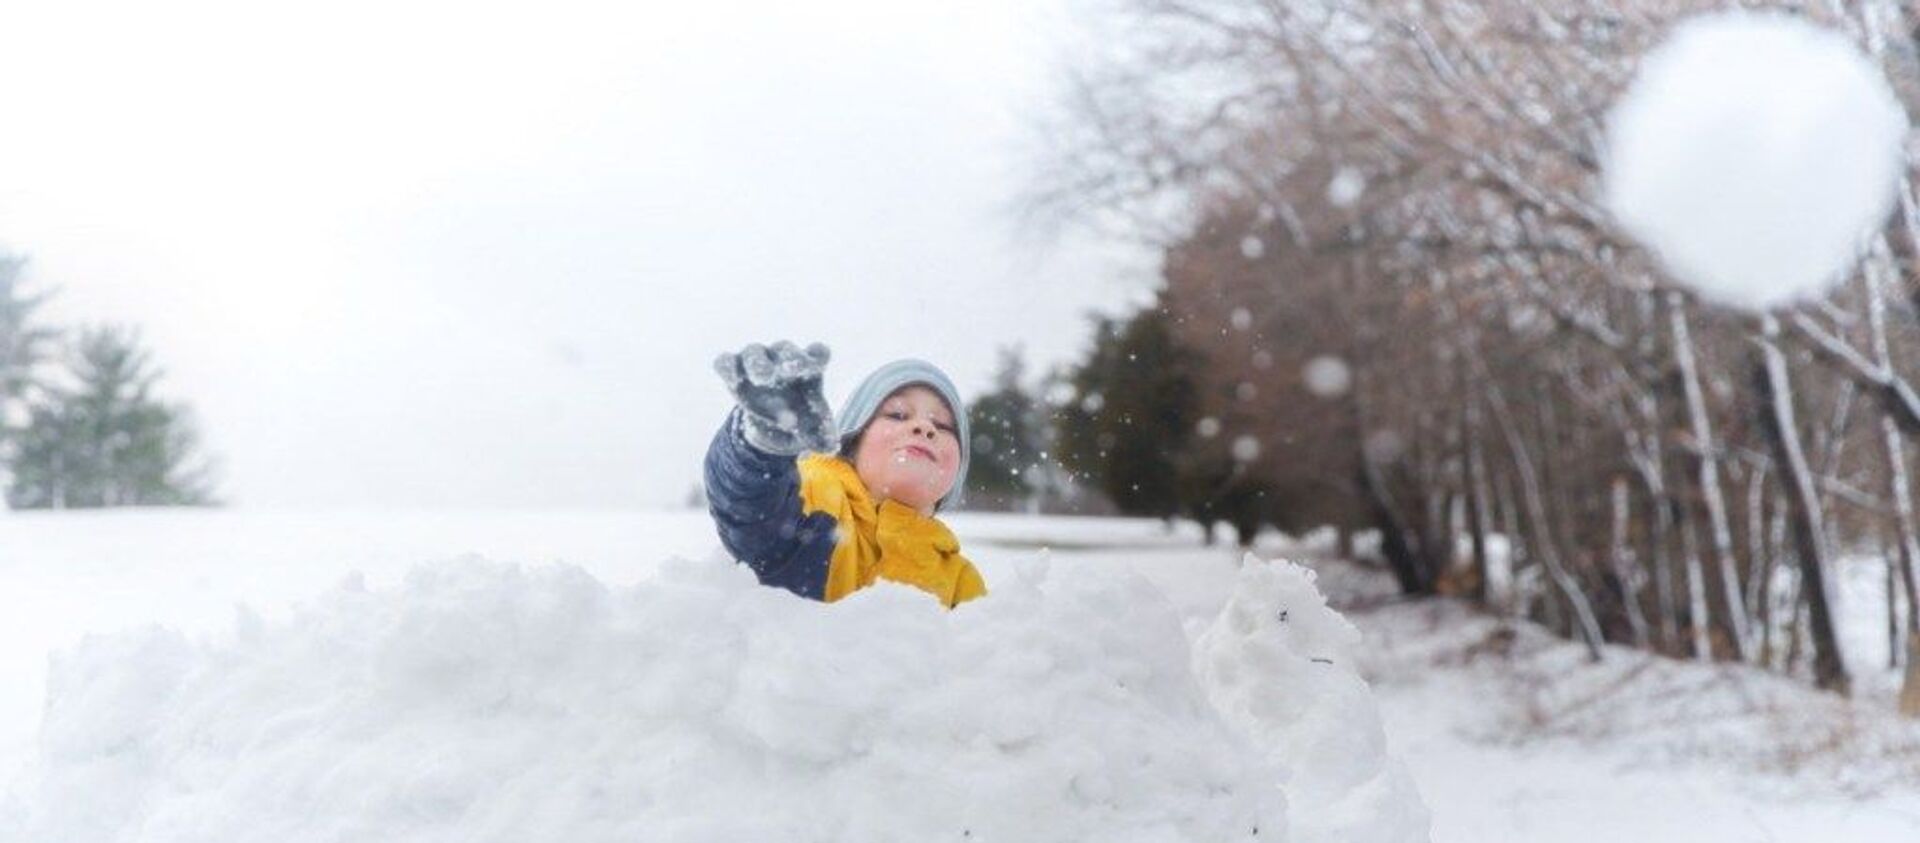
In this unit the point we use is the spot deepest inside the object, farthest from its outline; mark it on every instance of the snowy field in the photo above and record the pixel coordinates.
(1508, 734)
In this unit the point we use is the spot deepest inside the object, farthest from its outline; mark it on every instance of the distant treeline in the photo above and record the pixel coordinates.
(80, 423)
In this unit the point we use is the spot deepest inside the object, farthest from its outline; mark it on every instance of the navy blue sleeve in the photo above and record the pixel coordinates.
(755, 500)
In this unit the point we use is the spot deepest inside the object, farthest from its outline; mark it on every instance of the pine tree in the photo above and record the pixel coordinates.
(1133, 414)
(105, 439)
(23, 346)
(1008, 439)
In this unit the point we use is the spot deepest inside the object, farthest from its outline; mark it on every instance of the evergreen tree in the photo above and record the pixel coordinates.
(23, 346)
(105, 439)
(1009, 437)
(1135, 404)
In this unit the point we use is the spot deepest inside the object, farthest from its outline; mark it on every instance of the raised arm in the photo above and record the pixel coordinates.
(753, 484)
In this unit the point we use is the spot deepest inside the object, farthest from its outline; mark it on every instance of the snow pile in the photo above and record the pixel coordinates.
(1753, 152)
(485, 702)
(1280, 665)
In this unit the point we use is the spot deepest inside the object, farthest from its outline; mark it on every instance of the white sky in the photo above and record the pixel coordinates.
(465, 254)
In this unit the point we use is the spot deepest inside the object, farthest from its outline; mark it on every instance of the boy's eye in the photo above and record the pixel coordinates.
(897, 415)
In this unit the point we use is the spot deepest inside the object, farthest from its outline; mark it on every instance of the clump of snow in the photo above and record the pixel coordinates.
(1246, 448)
(1346, 187)
(1328, 376)
(1753, 153)
(1280, 665)
(491, 702)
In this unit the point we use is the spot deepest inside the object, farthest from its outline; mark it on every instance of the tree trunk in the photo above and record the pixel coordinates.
(1660, 554)
(1759, 562)
(1399, 554)
(1622, 567)
(1696, 592)
(1809, 529)
(1776, 551)
(1477, 503)
(1894, 638)
(1534, 498)
(1910, 684)
(1724, 593)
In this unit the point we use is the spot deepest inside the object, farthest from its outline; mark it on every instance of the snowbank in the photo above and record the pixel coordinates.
(480, 702)
(1280, 665)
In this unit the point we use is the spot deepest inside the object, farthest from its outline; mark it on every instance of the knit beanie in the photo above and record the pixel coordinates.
(866, 398)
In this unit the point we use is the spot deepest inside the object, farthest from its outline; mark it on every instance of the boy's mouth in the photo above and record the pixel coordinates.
(920, 451)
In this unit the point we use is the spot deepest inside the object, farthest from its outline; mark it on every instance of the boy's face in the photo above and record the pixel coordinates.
(910, 451)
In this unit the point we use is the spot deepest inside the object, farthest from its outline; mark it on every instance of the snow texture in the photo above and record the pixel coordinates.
(481, 701)
(1753, 153)
(1280, 665)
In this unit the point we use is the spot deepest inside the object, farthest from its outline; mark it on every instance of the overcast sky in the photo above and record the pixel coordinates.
(464, 254)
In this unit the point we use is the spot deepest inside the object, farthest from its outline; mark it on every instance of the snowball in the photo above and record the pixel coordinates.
(1753, 152)
(1279, 664)
(1246, 449)
(1060, 393)
(1208, 427)
(1345, 188)
(1252, 247)
(490, 702)
(1327, 376)
(1242, 318)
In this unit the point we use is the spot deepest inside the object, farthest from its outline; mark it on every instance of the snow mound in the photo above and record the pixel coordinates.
(488, 702)
(1754, 152)
(1279, 664)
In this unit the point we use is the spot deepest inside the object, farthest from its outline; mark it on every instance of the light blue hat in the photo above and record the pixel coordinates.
(866, 398)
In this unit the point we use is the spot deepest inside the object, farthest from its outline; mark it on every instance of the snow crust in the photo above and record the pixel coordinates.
(1753, 152)
(479, 701)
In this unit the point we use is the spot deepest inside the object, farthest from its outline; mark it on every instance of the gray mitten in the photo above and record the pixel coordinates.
(782, 410)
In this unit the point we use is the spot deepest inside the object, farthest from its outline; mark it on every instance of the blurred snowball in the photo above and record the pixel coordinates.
(1252, 247)
(1246, 449)
(1093, 402)
(1242, 319)
(1208, 427)
(1060, 393)
(1346, 187)
(1753, 152)
(1246, 391)
(1328, 376)
(1262, 359)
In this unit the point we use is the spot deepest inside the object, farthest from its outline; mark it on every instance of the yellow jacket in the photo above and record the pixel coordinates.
(889, 540)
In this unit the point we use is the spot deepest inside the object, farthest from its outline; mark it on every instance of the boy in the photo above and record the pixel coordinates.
(861, 506)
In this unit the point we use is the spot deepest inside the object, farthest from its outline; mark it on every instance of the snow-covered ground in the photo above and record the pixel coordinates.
(1509, 735)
